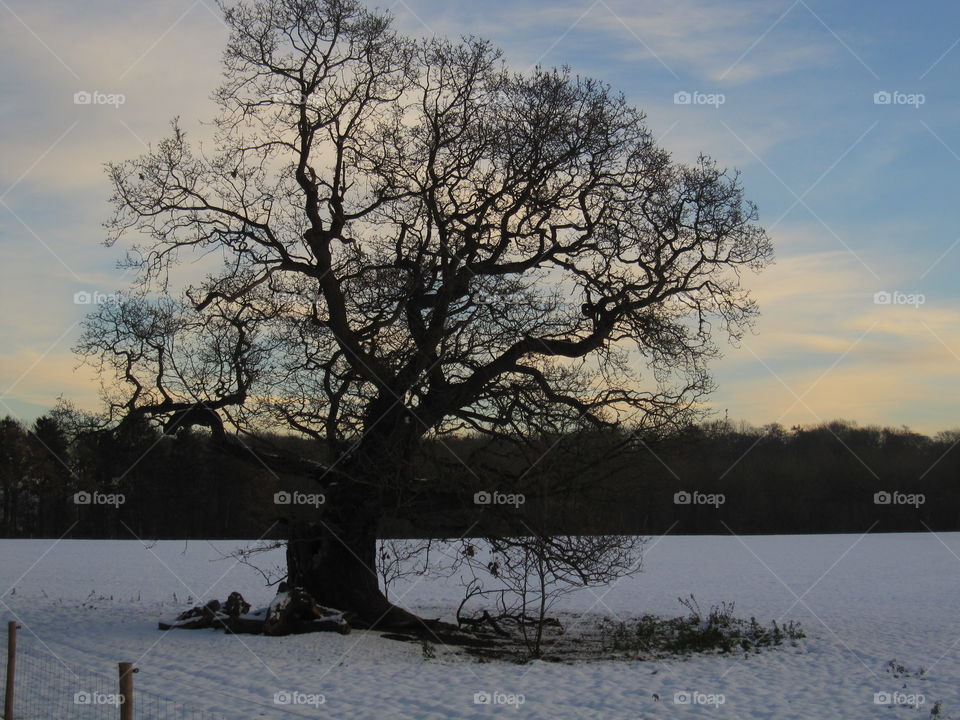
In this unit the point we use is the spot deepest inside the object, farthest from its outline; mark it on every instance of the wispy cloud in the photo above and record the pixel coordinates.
(818, 307)
(732, 42)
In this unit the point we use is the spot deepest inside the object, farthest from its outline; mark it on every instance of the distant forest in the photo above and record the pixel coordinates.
(716, 478)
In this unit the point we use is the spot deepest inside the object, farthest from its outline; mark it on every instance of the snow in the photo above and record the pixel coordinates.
(279, 602)
(863, 602)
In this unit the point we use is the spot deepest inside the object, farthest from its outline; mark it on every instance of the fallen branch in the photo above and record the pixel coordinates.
(293, 611)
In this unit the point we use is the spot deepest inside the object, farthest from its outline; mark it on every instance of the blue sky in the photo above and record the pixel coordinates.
(859, 196)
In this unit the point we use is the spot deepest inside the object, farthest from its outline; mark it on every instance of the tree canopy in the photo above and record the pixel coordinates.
(411, 230)
(412, 240)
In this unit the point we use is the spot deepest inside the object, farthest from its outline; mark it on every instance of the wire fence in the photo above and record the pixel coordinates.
(47, 688)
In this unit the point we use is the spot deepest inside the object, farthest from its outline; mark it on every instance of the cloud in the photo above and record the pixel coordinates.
(162, 61)
(38, 378)
(823, 337)
(723, 42)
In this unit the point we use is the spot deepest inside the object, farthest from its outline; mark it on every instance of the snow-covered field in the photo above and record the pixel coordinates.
(862, 602)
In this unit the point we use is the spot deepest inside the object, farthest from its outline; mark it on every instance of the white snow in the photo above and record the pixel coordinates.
(863, 601)
(279, 602)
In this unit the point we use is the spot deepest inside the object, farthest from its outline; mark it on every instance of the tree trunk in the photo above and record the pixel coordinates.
(336, 563)
(334, 557)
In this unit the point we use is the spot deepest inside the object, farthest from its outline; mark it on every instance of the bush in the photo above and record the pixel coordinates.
(716, 631)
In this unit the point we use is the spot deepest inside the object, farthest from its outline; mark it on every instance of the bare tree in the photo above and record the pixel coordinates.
(525, 576)
(415, 241)
(401, 559)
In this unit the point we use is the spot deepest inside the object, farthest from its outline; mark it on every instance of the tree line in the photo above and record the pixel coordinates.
(60, 475)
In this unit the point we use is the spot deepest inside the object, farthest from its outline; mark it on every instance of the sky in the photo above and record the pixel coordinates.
(841, 117)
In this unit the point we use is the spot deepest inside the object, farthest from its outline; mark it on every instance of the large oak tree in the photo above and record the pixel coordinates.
(412, 240)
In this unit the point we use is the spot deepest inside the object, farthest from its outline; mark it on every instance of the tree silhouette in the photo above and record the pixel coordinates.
(415, 241)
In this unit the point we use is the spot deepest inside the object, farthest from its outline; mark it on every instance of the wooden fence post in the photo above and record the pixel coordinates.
(11, 669)
(126, 690)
